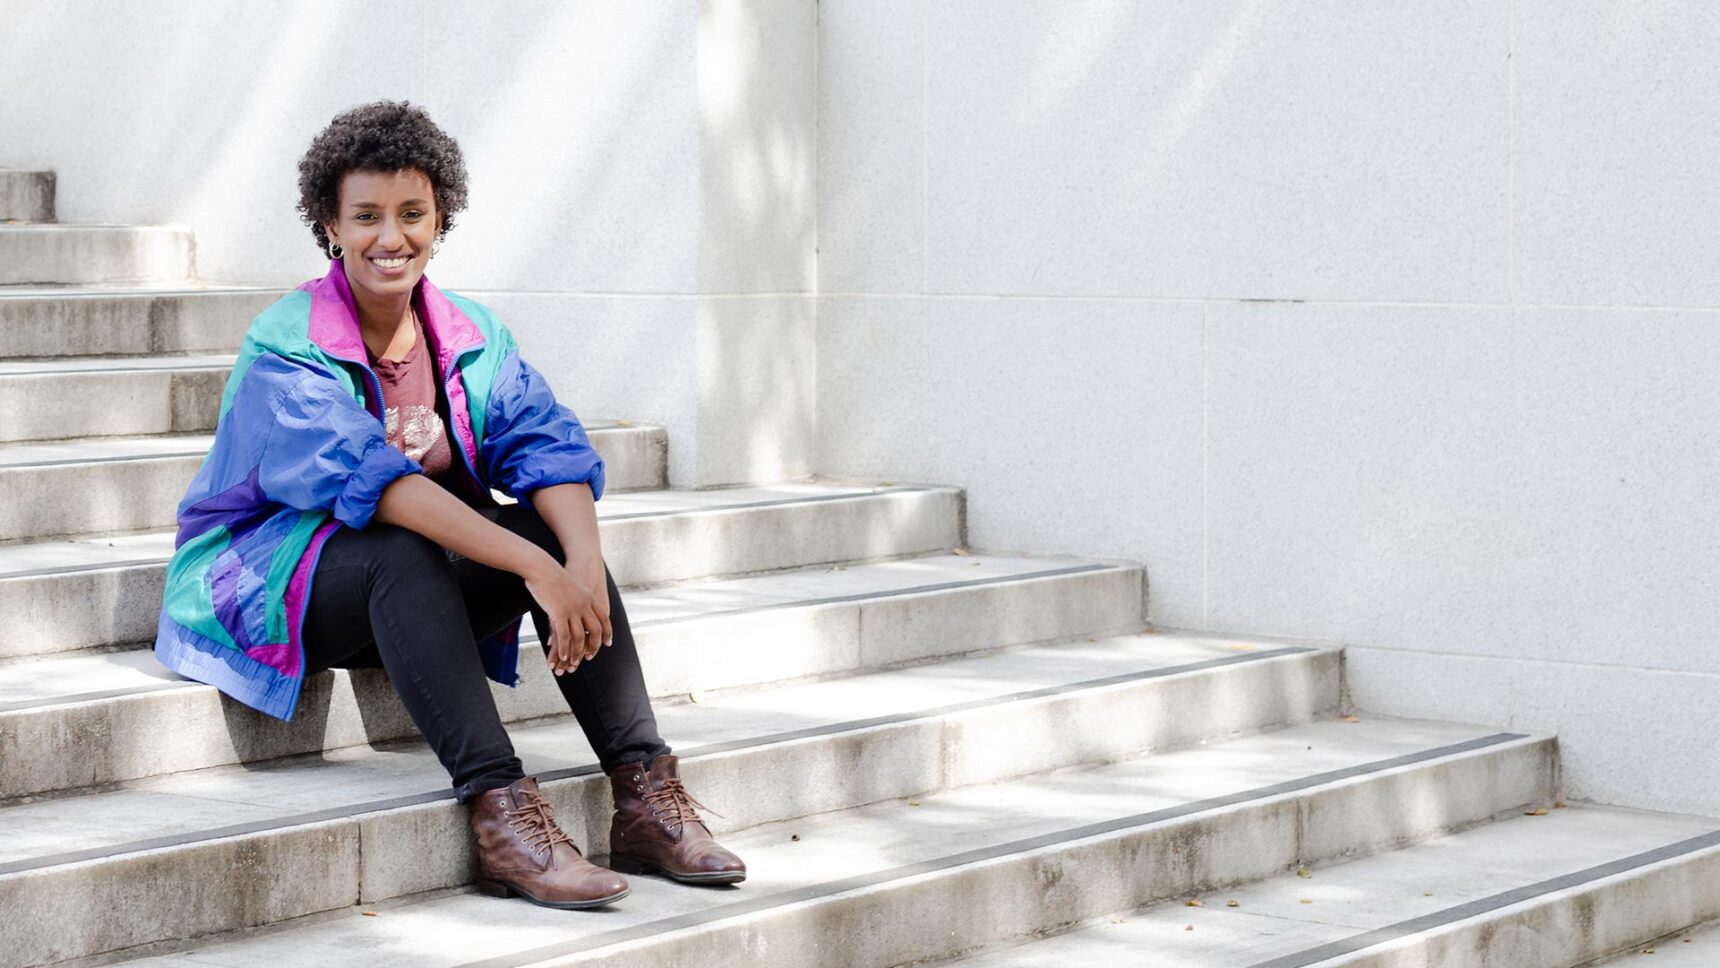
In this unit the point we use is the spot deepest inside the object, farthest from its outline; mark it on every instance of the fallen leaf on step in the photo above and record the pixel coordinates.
(623, 423)
(960, 551)
(1304, 872)
(886, 483)
(913, 803)
(837, 568)
(1194, 902)
(1537, 812)
(794, 837)
(1189, 928)
(370, 914)
(697, 695)
(1242, 647)
(1558, 804)
(1426, 893)
(1307, 900)
(1233, 902)
(1352, 719)
(1648, 951)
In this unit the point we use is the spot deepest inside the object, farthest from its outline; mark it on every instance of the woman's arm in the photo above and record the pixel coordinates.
(418, 504)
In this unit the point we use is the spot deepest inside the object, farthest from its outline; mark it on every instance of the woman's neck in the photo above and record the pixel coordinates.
(383, 322)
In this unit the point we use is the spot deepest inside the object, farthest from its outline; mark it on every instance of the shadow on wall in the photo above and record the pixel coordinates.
(577, 122)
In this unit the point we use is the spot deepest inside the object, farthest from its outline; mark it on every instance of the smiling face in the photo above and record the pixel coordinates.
(387, 224)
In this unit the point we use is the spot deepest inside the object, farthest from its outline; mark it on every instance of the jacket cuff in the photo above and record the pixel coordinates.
(364, 486)
(549, 466)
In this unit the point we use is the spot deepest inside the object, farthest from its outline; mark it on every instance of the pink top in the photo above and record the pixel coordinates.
(411, 404)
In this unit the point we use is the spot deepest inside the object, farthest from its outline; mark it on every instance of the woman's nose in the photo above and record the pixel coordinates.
(390, 237)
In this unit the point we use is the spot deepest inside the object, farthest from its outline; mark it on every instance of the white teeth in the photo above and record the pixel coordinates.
(391, 263)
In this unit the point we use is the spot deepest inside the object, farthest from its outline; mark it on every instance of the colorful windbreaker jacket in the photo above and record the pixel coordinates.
(300, 451)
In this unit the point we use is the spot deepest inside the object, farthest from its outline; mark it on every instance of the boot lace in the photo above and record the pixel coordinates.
(535, 822)
(671, 799)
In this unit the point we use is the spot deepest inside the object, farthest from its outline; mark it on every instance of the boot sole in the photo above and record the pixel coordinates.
(622, 864)
(499, 889)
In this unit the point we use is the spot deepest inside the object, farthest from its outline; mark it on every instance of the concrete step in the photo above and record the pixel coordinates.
(93, 485)
(649, 537)
(36, 254)
(26, 196)
(1693, 948)
(70, 397)
(38, 321)
(88, 719)
(886, 884)
(1528, 892)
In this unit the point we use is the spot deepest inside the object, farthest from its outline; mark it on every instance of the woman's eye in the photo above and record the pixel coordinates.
(414, 214)
(364, 216)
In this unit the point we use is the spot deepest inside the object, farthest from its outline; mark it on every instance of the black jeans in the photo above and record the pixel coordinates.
(387, 597)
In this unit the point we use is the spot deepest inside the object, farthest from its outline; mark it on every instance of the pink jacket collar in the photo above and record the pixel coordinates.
(334, 319)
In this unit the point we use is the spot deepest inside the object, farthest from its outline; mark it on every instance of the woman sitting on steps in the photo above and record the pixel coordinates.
(344, 518)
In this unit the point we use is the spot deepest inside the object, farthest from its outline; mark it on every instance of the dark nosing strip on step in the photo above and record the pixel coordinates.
(879, 595)
(634, 516)
(710, 749)
(761, 503)
(1485, 905)
(813, 892)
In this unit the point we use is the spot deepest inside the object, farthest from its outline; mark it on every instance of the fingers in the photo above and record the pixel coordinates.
(608, 630)
(594, 634)
(565, 650)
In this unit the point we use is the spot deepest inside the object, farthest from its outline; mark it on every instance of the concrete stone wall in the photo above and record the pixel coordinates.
(641, 173)
(1389, 324)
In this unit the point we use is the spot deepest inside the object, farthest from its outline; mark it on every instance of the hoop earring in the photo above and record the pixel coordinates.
(435, 247)
(334, 250)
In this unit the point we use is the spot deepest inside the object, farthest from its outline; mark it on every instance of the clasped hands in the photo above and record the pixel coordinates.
(575, 596)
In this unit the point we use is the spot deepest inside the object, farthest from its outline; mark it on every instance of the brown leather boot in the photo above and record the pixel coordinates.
(656, 829)
(522, 850)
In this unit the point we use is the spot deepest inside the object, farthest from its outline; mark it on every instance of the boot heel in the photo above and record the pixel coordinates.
(623, 864)
(495, 889)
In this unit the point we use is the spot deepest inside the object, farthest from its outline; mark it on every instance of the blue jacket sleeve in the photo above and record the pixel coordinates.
(319, 448)
(530, 440)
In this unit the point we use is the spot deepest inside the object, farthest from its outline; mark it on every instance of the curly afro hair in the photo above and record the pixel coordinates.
(384, 136)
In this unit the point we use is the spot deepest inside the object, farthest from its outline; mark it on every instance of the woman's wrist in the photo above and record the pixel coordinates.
(531, 561)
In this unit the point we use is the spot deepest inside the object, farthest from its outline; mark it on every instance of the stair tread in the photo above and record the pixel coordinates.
(83, 450)
(107, 551)
(186, 806)
(1397, 894)
(881, 846)
(113, 364)
(55, 680)
(66, 227)
(141, 288)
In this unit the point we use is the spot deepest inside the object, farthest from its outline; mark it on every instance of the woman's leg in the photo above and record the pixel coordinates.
(393, 590)
(606, 693)
(656, 826)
